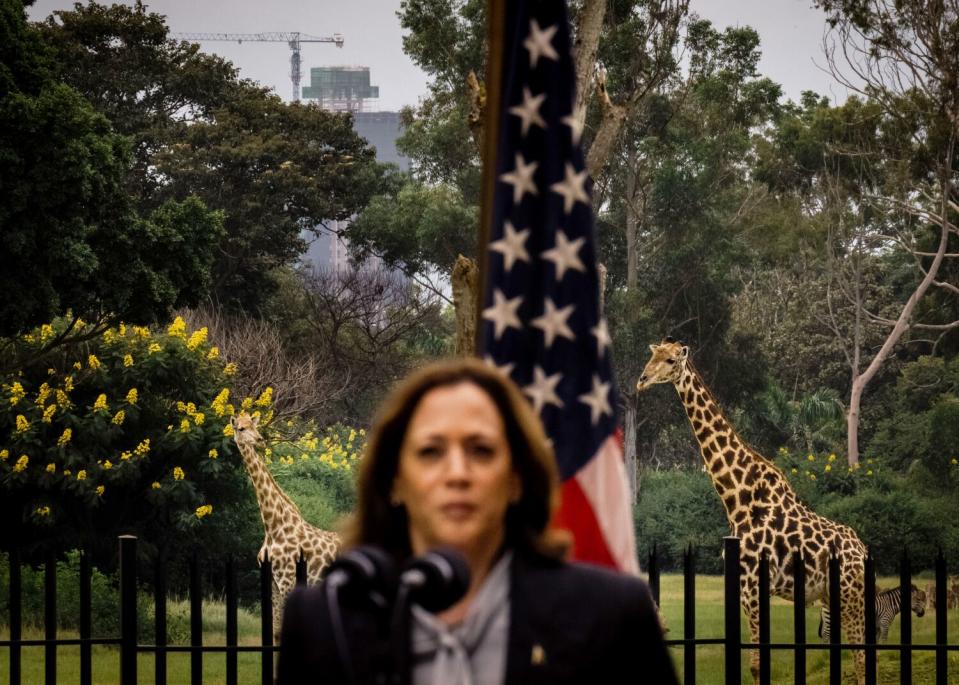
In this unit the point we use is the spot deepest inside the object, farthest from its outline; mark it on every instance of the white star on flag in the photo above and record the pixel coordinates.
(565, 254)
(503, 313)
(538, 43)
(603, 340)
(575, 126)
(521, 178)
(572, 188)
(553, 322)
(597, 399)
(528, 112)
(542, 390)
(512, 245)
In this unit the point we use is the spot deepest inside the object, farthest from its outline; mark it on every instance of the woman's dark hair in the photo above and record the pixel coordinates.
(378, 522)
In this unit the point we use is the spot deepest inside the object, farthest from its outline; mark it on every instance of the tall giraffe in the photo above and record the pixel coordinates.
(287, 534)
(762, 509)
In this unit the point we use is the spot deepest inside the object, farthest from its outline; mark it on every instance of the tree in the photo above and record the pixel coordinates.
(904, 56)
(274, 170)
(72, 240)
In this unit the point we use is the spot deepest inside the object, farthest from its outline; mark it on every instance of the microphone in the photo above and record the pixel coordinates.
(365, 572)
(436, 580)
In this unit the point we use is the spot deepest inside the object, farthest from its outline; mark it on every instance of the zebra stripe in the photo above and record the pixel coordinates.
(888, 605)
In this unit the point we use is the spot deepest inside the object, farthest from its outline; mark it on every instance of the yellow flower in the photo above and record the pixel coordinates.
(68, 383)
(178, 473)
(154, 348)
(954, 461)
(219, 403)
(228, 430)
(119, 417)
(141, 332)
(812, 476)
(46, 332)
(67, 472)
(101, 403)
(43, 511)
(869, 472)
(109, 336)
(795, 470)
(77, 366)
(213, 454)
(205, 510)
(832, 457)
(178, 328)
(199, 418)
(21, 464)
(125, 456)
(185, 426)
(22, 424)
(197, 339)
(122, 330)
(82, 474)
(128, 360)
(213, 353)
(229, 369)
(143, 448)
(63, 401)
(4, 455)
(265, 398)
(100, 490)
(828, 468)
(107, 465)
(246, 404)
(49, 412)
(16, 393)
(93, 362)
(132, 396)
(811, 457)
(51, 467)
(155, 485)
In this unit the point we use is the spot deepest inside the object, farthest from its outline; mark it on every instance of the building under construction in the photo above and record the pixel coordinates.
(342, 89)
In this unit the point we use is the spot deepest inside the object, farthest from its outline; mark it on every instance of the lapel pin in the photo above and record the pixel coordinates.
(538, 655)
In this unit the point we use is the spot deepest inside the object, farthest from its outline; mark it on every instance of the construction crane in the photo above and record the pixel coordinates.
(293, 39)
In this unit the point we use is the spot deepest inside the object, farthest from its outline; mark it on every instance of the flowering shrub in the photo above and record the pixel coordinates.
(117, 433)
(814, 474)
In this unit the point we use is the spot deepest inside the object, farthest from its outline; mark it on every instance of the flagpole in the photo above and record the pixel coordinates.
(496, 18)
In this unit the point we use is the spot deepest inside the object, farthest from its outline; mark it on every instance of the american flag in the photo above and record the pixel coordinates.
(540, 320)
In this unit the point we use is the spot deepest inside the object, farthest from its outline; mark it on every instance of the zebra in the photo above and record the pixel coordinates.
(888, 604)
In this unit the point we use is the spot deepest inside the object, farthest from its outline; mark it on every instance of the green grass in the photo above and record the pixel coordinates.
(709, 659)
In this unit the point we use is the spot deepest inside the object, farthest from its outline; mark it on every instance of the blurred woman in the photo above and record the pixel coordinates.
(457, 458)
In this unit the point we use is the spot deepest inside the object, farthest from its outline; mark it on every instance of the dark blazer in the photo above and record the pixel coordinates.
(569, 623)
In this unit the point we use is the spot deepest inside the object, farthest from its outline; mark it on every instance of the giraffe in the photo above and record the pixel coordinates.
(287, 534)
(762, 509)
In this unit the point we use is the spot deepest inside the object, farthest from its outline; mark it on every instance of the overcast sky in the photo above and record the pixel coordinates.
(791, 33)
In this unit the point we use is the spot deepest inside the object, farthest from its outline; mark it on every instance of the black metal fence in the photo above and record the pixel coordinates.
(731, 641)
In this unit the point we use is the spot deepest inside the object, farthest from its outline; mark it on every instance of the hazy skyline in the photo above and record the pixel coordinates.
(791, 33)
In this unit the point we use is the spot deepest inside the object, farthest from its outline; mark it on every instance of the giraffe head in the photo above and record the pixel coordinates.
(665, 366)
(244, 429)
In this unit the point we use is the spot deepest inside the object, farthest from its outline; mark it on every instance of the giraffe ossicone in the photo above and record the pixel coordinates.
(762, 509)
(287, 535)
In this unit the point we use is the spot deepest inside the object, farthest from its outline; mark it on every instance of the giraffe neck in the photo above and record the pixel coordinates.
(728, 461)
(276, 509)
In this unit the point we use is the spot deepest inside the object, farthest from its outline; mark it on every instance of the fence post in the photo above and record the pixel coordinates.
(652, 570)
(799, 616)
(159, 616)
(196, 621)
(941, 623)
(905, 621)
(870, 614)
(50, 618)
(764, 652)
(128, 610)
(86, 620)
(231, 625)
(16, 615)
(266, 621)
(835, 620)
(733, 611)
(689, 616)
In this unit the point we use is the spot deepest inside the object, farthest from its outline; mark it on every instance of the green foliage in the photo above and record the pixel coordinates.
(126, 433)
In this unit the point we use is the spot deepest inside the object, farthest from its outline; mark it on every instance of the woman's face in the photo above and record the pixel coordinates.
(455, 475)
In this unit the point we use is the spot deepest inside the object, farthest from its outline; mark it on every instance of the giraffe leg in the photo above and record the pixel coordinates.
(853, 630)
(279, 596)
(750, 602)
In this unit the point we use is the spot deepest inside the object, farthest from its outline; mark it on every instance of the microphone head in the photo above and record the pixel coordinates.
(365, 572)
(437, 579)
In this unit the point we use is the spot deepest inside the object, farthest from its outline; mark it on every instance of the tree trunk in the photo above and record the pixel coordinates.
(632, 223)
(629, 438)
(852, 420)
(465, 298)
(589, 25)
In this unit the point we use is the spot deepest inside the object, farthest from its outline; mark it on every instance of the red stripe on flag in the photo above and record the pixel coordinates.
(576, 515)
